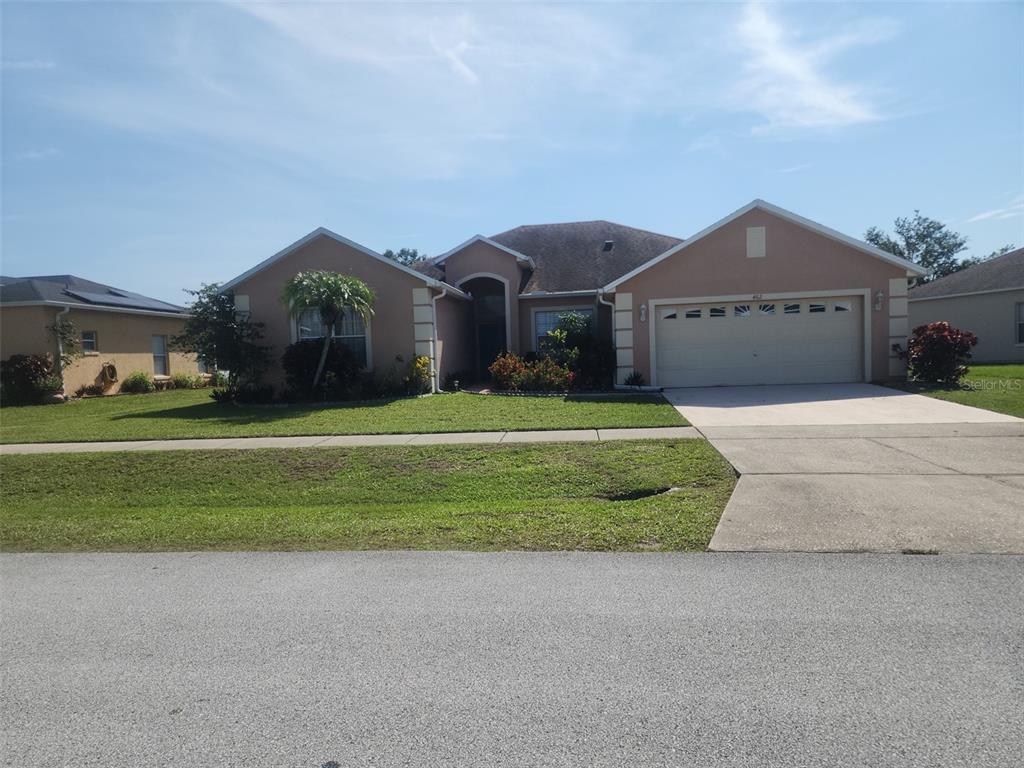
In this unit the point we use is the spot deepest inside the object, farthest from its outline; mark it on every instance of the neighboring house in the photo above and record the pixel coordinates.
(123, 329)
(986, 299)
(761, 297)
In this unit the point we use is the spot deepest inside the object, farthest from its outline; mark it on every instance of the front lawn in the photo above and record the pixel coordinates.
(582, 496)
(191, 413)
(993, 387)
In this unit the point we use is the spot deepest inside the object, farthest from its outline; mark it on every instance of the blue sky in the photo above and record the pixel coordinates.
(157, 146)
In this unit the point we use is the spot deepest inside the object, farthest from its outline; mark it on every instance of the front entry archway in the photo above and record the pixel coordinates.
(490, 318)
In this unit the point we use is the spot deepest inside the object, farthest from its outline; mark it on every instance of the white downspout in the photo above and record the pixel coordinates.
(434, 386)
(610, 305)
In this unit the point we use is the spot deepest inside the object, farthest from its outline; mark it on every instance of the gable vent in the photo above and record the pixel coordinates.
(608, 245)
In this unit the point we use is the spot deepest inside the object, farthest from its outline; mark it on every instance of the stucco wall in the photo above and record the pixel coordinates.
(989, 316)
(483, 258)
(797, 260)
(454, 337)
(391, 331)
(123, 339)
(526, 307)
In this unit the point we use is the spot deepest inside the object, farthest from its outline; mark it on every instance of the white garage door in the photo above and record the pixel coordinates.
(796, 341)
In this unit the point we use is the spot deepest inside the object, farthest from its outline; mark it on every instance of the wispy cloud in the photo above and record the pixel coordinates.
(1012, 210)
(37, 154)
(795, 168)
(785, 77)
(26, 64)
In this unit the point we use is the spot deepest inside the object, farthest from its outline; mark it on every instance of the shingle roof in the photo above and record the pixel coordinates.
(76, 291)
(1006, 271)
(572, 257)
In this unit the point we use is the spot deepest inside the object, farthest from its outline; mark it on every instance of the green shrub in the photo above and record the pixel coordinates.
(218, 379)
(937, 353)
(546, 375)
(258, 394)
(90, 390)
(341, 370)
(27, 379)
(184, 381)
(507, 371)
(418, 382)
(635, 379)
(137, 383)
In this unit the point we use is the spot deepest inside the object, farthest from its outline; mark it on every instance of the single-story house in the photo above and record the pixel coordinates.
(119, 331)
(986, 299)
(763, 296)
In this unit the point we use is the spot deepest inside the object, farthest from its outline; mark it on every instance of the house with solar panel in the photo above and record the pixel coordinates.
(119, 331)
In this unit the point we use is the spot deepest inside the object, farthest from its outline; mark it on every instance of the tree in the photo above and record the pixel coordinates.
(405, 256)
(924, 241)
(222, 337)
(331, 293)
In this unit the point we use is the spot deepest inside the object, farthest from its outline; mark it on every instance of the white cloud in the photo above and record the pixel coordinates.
(1012, 210)
(27, 64)
(36, 154)
(785, 78)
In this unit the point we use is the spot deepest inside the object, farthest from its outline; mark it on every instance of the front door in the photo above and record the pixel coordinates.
(490, 321)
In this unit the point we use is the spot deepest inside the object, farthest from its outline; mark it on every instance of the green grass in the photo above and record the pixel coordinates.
(992, 387)
(581, 496)
(191, 413)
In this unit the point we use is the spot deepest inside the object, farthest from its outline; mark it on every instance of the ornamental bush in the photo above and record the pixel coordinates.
(340, 376)
(418, 381)
(937, 353)
(546, 375)
(507, 371)
(137, 383)
(184, 381)
(27, 379)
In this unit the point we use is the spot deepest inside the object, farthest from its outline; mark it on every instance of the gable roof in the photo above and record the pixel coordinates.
(569, 256)
(324, 232)
(911, 268)
(520, 257)
(1003, 273)
(73, 291)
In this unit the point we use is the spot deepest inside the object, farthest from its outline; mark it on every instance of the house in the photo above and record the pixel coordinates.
(986, 299)
(119, 331)
(763, 296)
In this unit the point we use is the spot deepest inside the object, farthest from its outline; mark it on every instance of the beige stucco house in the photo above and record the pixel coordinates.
(761, 296)
(117, 329)
(986, 299)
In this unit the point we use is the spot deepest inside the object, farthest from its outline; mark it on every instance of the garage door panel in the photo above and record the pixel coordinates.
(759, 348)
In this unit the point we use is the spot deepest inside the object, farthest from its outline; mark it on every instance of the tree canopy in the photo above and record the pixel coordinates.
(404, 256)
(928, 243)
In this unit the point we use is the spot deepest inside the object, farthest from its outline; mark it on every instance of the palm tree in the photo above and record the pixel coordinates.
(333, 294)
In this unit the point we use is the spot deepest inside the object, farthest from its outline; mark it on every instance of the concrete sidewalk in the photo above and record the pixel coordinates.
(334, 441)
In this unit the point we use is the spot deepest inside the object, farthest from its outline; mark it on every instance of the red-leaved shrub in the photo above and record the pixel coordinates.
(510, 372)
(937, 353)
(507, 371)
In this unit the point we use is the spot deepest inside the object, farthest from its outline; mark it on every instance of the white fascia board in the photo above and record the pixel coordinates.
(96, 308)
(967, 293)
(913, 270)
(323, 231)
(520, 257)
(557, 294)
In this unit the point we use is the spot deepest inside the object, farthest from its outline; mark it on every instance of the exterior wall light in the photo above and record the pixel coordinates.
(878, 301)
(643, 313)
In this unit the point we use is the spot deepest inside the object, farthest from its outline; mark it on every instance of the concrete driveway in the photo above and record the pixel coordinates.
(856, 467)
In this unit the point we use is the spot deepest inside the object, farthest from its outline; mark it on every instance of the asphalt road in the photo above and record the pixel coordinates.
(419, 659)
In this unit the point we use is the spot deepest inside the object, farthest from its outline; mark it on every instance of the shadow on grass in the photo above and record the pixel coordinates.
(251, 414)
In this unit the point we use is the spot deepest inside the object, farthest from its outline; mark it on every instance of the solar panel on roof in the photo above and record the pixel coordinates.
(136, 302)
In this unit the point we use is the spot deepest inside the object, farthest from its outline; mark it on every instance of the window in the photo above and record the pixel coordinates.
(791, 309)
(670, 315)
(766, 309)
(741, 310)
(841, 306)
(547, 320)
(160, 367)
(350, 331)
(1020, 323)
(716, 312)
(692, 314)
(815, 308)
(89, 342)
